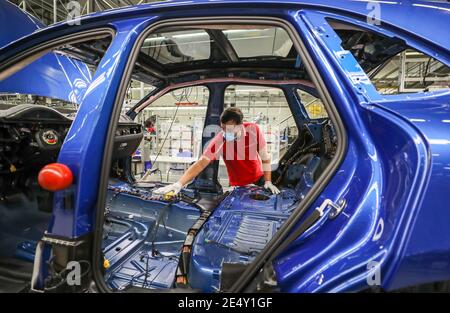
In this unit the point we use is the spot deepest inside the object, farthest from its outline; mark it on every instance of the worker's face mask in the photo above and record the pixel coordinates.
(230, 132)
(229, 136)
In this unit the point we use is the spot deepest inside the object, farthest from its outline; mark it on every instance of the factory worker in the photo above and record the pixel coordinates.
(243, 149)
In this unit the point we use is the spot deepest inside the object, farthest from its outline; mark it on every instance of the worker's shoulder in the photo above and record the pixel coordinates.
(251, 127)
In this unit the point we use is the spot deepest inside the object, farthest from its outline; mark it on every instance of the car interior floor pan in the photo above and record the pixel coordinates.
(143, 239)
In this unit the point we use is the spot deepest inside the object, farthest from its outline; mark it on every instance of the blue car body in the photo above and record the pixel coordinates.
(393, 177)
(52, 75)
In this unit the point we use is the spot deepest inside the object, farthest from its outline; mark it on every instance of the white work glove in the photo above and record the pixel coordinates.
(175, 188)
(273, 189)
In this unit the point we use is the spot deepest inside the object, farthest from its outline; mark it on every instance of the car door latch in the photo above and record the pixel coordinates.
(335, 209)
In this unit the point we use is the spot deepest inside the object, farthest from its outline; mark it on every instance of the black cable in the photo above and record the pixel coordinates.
(294, 157)
(146, 271)
(60, 276)
(167, 135)
(155, 230)
(185, 95)
(132, 280)
(426, 72)
(146, 268)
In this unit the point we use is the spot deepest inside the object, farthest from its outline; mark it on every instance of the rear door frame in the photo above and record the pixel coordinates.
(299, 212)
(327, 52)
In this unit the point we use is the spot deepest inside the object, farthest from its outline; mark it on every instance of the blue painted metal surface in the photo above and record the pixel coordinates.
(425, 253)
(83, 148)
(394, 174)
(132, 230)
(54, 76)
(382, 178)
(26, 250)
(241, 226)
(15, 23)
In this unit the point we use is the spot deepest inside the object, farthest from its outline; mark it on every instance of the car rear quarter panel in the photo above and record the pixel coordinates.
(389, 162)
(426, 256)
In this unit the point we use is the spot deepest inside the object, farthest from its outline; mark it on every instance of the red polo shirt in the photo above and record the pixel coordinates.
(241, 156)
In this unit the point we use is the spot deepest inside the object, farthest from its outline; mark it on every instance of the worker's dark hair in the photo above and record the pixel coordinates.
(149, 123)
(232, 114)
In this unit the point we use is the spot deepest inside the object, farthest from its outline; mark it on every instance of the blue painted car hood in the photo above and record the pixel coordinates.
(53, 76)
(15, 23)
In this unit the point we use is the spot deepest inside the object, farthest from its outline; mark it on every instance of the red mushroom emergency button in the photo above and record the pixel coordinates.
(55, 177)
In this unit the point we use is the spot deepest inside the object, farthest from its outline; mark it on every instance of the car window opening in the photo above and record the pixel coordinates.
(392, 66)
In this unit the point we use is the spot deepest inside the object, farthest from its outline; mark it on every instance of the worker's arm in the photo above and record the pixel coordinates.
(265, 159)
(211, 153)
(189, 175)
(267, 170)
(194, 170)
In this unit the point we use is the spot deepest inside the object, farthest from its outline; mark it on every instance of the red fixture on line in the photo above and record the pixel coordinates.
(55, 177)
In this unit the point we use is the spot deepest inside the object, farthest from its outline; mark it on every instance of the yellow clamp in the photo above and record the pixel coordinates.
(169, 196)
(106, 263)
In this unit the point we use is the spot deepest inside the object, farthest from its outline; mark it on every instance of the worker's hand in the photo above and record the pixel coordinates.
(175, 188)
(273, 189)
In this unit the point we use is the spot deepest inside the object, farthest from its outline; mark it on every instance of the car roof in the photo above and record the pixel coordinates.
(420, 18)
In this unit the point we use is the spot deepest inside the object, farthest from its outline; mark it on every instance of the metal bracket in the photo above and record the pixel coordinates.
(59, 242)
(336, 209)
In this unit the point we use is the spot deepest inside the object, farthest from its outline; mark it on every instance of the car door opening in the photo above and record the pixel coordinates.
(167, 241)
